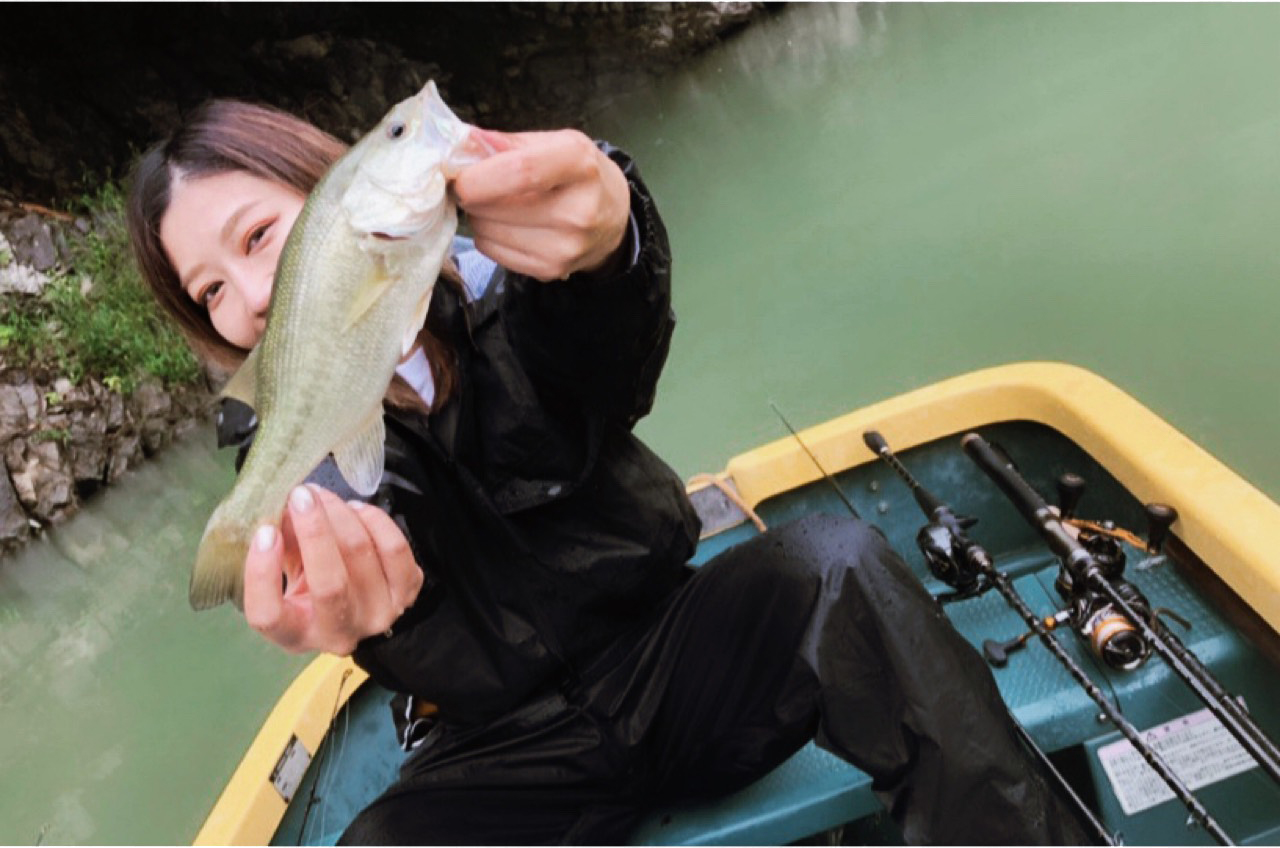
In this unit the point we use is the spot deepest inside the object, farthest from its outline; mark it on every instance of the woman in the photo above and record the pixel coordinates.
(523, 565)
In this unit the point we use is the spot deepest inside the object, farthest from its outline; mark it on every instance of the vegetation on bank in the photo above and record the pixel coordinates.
(95, 318)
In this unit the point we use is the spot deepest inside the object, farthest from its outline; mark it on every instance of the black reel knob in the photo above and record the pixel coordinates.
(1070, 490)
(997, 653)
(1160, 518)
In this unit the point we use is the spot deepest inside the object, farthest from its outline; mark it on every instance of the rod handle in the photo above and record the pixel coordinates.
(1027, 500)
(1001, 470)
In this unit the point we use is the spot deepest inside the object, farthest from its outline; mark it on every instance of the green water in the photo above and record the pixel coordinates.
(865, 200)
(123, 712)
(862, 201)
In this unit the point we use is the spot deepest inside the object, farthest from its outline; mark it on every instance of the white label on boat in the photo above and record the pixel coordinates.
(1196, 746)
(290, 769)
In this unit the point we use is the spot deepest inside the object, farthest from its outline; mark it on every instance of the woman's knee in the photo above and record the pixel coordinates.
(829, 546)
(800, 567)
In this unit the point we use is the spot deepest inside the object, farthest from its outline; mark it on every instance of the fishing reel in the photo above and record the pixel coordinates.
(1107, 608)
(1107, 631)
(945, 555)
(943, 541)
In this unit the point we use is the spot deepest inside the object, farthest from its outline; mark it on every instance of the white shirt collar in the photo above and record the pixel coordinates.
(416, 371)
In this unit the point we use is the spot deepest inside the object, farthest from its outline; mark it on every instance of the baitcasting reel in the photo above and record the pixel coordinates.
(946, 561)
(1107, 631)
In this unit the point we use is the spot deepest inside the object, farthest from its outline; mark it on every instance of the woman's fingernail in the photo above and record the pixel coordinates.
(265, 539)
(357, 504)
(301, 499)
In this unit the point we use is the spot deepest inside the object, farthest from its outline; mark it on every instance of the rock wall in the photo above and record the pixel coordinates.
(61, 442)
(84, 86)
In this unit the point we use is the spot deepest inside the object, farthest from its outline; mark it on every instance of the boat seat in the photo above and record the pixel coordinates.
(809, 793)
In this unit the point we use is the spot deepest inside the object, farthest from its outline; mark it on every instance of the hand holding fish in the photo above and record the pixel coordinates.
(350, 293)
(350, 575)
(546, 204)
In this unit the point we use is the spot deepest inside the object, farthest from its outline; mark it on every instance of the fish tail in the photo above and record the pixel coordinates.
(218, 575)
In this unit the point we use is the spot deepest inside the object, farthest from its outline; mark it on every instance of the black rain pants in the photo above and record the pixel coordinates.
(814, 628)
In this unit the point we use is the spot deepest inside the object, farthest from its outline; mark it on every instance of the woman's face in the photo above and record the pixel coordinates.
(223, 234)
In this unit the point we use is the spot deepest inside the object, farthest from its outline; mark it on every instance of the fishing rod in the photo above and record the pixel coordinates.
(939, 538)
(1083, 568)
(968, 556)
(840, 492)
(936, 541)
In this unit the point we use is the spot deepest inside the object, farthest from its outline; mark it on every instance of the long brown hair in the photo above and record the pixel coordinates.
(231, 135)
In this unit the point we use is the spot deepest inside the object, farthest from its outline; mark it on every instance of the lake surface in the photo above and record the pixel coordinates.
(123, 712)
(862, 200)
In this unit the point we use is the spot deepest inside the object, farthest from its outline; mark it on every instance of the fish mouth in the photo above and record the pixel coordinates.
(388, 237)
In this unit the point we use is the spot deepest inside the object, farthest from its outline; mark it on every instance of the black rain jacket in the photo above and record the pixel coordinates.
(545, 528)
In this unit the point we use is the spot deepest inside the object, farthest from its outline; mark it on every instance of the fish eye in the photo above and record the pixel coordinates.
(395, 130)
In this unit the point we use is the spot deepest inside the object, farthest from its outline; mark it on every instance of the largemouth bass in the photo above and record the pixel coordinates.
(351, 292)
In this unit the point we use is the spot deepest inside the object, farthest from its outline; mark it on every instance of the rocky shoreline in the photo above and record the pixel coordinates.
(62, 441)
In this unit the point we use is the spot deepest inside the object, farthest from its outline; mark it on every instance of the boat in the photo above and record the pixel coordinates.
(328, 748)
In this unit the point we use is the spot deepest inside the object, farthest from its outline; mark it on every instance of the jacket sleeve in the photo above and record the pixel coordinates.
(601, 341)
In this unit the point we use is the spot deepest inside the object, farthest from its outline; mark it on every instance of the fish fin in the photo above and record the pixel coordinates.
(360, 457)
(218, 575)
(370, 292)
(243, 385)
(419, 319)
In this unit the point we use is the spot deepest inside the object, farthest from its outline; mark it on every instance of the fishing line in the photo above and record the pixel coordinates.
(333, 717)
(330, 775)
(821, 470)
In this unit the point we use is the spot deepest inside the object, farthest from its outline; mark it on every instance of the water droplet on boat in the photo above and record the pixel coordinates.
(882, 507)
(874, 485)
